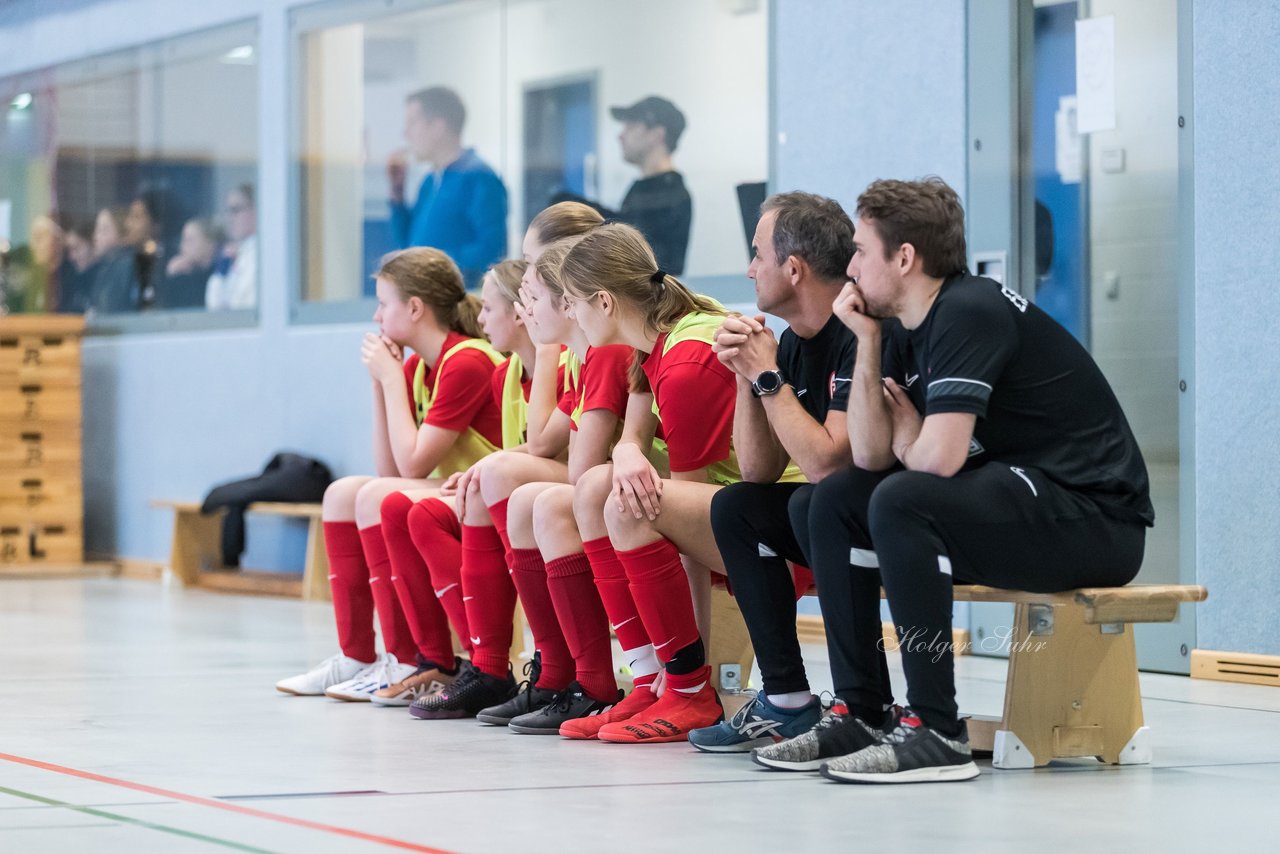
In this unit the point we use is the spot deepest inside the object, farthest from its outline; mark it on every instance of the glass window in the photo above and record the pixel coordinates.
(129, 183)
(473, 116)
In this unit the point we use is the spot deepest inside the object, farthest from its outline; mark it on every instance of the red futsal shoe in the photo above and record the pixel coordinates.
(669, 719)
(640, 699)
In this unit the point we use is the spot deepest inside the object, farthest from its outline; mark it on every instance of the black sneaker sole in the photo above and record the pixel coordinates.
(532, 730)
(441, 714)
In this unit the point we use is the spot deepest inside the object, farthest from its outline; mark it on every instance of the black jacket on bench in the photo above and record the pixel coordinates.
(287, 477)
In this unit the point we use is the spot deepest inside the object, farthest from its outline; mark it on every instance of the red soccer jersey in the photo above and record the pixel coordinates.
(695, 395)
(603, 382)
(462, 397)
(500, 379)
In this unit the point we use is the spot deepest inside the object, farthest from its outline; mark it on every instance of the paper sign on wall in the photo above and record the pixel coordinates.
(1096, 74)
(1068, 155)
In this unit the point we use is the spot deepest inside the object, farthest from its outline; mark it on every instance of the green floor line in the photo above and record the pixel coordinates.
(137, 822)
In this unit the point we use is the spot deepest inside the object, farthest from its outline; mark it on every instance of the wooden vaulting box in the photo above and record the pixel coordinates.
(41, 487)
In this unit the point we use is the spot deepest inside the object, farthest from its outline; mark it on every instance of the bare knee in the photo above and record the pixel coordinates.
(369, 502)
(520, 515)
(340, 498)
(553, 524)
(590, 495)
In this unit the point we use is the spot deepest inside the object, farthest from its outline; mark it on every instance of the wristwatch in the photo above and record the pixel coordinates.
(769, 382)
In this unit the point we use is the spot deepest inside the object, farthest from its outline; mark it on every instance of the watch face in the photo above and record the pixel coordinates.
(769, 381)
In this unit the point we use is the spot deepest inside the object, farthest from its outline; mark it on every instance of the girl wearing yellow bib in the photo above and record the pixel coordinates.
(427, 421)
(622, 297)
(498, 549)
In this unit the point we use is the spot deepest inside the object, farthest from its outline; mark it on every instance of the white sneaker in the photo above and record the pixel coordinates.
(359, 688)
(324, 675)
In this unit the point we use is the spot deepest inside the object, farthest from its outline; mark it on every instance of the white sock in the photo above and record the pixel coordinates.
(794, 700)
(643, 660)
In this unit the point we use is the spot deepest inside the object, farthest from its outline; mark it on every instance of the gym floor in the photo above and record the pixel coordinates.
(135, 716)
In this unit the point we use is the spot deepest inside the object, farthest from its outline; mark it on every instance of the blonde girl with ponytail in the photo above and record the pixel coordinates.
(621, 296)
(433, 416)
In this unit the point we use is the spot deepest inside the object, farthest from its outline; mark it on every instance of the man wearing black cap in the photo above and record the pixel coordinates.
(658, 203)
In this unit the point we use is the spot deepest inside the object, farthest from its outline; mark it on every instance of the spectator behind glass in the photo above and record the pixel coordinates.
(152, 228)
(186, 276)
(32, 283)
(461, 206)
(114, 281)
(76, 273)
(234, 283)
(657, 203)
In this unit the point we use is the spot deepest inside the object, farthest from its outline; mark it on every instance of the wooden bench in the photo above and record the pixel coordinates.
(1072, 687)
(196, 554)
(196, 559)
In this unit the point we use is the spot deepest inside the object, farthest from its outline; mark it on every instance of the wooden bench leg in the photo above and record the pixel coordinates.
(315, 573)
(196, 544)
(1072, 691)
(730, 642)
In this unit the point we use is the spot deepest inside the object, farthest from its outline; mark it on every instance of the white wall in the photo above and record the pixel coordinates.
(1133, 218)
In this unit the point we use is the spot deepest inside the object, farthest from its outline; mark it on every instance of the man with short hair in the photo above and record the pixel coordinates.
(461, 206)
(792, 396)
(657, 203)
(989, 449)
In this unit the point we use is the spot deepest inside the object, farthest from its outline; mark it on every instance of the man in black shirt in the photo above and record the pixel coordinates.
(792, 396)
(989, 450)
(657, 203)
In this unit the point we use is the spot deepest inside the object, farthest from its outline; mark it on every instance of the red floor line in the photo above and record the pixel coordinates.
(216, 804)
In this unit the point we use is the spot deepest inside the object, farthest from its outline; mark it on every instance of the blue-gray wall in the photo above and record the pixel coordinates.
(1237, 307)
(854, 104)
(850, 105)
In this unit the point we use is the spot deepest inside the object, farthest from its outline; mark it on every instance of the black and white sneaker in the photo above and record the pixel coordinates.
(529, 697)
(569, 705)
(472, 691)
(837, 734)
(912, 753)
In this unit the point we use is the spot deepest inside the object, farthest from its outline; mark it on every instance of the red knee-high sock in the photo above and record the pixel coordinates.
(437, 539)
(498, 513)
(395, 629)
(615, 593)
(490, 598)
(349, 584)
(530, 577)
(661, 591)
(584, 623)
(411, 580)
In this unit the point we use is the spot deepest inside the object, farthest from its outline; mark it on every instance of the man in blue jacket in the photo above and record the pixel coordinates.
(461, 206)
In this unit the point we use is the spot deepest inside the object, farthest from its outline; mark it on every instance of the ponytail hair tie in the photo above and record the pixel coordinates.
(659, 278)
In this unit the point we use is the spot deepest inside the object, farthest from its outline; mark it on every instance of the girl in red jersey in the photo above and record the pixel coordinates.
(621, 296)
(433, 416)
(422, 529)
(491, 561)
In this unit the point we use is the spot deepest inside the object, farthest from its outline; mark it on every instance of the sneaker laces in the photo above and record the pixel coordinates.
(563, 700)
(332, 667)
(532, 673)
(903, 730)
(739, 718)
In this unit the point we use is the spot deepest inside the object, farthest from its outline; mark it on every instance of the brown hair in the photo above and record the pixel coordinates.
(507, 275)
(616, 259)
(925, 213)
(813, 228)
(431, 276)
(564, 219)
(549, 262)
